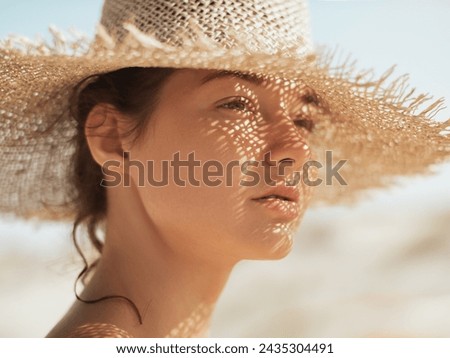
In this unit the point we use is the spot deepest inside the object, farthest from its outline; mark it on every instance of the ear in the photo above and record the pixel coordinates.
(104, 130)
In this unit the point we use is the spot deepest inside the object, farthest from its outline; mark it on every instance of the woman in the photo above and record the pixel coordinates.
(169, 249)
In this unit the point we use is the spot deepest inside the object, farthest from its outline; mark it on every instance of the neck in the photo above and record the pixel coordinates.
(175, 292)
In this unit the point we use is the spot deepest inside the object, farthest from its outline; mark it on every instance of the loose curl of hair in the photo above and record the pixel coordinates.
(134, 91)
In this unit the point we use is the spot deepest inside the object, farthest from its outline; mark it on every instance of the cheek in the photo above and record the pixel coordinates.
(196, 196)
(238, 137)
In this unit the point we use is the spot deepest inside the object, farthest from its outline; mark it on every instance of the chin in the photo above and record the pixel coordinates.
(283, 249)
(273, 247)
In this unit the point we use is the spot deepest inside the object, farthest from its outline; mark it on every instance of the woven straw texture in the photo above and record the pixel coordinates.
(380, 125)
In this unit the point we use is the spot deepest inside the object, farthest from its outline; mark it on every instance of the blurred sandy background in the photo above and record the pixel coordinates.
(380, 268)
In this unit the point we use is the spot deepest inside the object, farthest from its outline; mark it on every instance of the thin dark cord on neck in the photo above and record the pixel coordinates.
(85, 270)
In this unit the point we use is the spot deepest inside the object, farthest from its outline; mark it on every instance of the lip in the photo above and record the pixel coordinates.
(281, 202)
(286, 193)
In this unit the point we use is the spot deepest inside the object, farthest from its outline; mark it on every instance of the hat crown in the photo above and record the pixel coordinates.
(259, 25)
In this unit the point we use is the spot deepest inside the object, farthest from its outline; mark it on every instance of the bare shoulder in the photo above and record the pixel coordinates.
(81, 322)
(88, 321)
(93, 330)
(99, 330)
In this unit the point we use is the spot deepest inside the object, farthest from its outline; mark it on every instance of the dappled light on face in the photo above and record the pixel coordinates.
(265, 126)
(252, 134)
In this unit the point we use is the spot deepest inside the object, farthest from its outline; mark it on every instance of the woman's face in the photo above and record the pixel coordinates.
(224, 198)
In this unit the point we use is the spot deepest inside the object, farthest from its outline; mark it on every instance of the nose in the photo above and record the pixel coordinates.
(287, 148)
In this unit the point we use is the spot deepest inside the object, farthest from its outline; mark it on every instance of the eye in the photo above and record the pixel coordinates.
(240, 104)
(311, 98)
(301, 122)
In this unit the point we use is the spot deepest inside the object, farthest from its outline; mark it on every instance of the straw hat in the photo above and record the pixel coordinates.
(379, 125)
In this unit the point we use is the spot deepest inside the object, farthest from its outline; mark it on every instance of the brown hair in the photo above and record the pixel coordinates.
(133, 91)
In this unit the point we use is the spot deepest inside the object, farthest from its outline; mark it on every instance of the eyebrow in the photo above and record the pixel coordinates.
(249, 77)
